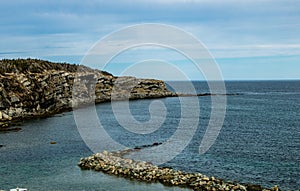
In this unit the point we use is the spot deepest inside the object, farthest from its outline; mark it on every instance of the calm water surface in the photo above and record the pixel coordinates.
(259, 142)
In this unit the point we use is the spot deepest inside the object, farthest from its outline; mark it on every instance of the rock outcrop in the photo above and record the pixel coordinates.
(36, 88)
(114, 163)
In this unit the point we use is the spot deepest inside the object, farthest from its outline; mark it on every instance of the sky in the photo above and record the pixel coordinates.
(249, 39)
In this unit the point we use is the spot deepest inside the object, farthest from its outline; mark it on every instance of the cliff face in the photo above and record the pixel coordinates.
(36, 88)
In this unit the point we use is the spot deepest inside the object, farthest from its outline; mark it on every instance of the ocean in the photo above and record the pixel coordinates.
(258, 143)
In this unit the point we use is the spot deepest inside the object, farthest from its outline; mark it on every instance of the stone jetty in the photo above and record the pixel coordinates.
(31, 88)
(115, 164)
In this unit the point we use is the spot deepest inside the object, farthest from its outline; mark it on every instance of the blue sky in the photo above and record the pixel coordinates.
(250, 40)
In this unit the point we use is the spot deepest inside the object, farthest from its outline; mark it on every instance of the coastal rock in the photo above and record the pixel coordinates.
(6, 117)
(37, 88)
(253, 187)
(113, 163)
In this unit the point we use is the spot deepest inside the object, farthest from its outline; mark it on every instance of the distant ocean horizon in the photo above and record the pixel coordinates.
(259, 142)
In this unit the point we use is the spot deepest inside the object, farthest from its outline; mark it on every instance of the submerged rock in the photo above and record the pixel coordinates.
(254, 187)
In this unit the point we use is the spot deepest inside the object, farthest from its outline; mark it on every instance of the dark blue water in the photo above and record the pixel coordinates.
(258, 143)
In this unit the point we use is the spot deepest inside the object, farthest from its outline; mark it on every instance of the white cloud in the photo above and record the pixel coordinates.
(231, 29)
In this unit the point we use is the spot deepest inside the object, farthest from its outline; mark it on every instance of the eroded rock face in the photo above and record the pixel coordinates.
(30, 88)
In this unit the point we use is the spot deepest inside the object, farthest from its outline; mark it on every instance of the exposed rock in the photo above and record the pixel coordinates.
(254, 187)
(6, 117)
(114, 163)
(14, 99)
(37, 88)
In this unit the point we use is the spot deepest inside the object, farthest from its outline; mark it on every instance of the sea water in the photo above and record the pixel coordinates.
(259, 142)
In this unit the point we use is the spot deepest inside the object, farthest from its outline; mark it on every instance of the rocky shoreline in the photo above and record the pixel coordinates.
(114, 163)
(32, 88)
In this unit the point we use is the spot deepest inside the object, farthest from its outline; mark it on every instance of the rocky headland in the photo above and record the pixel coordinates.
(31, 88)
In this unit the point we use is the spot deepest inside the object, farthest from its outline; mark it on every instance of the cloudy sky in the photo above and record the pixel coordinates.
(249, 39)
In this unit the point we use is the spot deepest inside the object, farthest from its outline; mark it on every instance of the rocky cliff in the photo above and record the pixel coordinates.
(36, 88)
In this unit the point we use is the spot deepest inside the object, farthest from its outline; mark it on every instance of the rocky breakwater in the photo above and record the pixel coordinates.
(113, 163)
(36, 88)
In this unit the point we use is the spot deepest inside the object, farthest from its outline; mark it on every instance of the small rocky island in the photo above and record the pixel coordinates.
(31, 88)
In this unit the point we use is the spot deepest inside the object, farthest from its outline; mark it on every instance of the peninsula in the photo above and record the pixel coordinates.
(31, 88)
